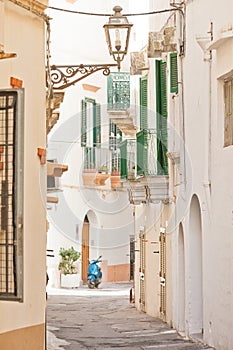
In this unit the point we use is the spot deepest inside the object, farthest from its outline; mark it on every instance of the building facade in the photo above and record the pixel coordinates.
(23, 175)
(175, 196)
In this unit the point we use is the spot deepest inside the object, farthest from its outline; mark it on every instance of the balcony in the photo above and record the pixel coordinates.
(119, 103)
(95, 168)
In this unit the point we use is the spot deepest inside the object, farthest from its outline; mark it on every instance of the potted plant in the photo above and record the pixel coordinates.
(70, 278)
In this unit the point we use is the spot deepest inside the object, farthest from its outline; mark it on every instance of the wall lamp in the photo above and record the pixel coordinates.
(117, 32)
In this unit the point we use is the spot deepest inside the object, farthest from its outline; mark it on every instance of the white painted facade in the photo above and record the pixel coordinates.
(23, 32)
(199, 224)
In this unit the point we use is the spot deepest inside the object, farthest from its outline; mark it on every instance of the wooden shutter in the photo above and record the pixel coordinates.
(143, 103)
(83, 123)
(228, 123)
(123, 152)
(142, 152)
(161, 117)
(142, 271)
(173, 73)
(97, 124)
(162, 273)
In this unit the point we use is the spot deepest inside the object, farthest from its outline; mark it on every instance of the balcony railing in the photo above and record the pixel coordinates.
(118, 91)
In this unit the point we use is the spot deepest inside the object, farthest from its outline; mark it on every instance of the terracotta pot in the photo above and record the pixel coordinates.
(115, 181)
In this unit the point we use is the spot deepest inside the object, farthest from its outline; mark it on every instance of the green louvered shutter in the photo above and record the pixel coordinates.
(142, 152)
(173, 73)
(83, 123)
(96, 124)
(123, 152)
(161, 119)
(143, 103)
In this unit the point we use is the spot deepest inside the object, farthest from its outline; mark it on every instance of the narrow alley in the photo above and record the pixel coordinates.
(104, 319)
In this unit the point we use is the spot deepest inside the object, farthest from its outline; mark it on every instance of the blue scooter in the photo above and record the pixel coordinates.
(94, 275)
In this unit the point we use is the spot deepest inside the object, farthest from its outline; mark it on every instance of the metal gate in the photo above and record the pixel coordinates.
(142, 271)
(162, 273)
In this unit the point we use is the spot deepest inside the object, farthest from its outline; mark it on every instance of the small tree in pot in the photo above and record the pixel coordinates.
(69, 275)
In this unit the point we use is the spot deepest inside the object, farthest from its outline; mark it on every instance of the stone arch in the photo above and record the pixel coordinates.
(181, 280)
(195, 268)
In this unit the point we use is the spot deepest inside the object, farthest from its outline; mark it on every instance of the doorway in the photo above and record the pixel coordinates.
(181, 281)
(195, 269)
(85, 249)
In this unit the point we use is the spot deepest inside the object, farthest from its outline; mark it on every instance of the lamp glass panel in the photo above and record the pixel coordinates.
(116, 35)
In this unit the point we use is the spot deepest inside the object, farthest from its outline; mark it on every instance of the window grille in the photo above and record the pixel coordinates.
(11, 189)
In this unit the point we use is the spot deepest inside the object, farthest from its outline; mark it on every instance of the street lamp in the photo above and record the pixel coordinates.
(117, 32)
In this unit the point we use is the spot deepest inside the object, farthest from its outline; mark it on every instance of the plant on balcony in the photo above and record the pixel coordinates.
(103, 169)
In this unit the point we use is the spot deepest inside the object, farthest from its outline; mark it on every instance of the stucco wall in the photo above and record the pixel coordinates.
(21, 31)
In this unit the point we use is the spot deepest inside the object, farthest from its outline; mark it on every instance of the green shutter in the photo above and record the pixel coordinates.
(161, 117)
(96, 124)
(173, 73)
(142, 152)
(123, 152)
(143, 103)
(83, 123)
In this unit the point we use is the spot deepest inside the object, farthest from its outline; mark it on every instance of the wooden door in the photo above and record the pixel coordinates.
(85, 250)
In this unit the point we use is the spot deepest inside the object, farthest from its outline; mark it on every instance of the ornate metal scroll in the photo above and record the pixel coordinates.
(61, 77)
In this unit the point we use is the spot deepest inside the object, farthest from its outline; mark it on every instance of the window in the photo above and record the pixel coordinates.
(90, 123)
(11, 198)
(53, 182)
(228, 115)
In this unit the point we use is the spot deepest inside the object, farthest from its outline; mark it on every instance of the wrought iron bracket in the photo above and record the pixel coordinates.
(61, 77)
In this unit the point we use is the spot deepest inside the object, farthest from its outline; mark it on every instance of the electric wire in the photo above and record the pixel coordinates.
(109, 15)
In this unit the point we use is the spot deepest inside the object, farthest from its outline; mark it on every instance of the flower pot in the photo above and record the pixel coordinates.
(100, 179)
(115, 181)
(70, 280)
(88, 177)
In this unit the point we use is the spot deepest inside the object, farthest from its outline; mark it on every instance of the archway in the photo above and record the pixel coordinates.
(195, 267)
(181, 281)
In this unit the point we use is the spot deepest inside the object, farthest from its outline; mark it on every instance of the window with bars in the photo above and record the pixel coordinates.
(11, 189)
(228, 113)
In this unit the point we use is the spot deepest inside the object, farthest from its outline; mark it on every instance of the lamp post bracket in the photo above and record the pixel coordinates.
(63, 76)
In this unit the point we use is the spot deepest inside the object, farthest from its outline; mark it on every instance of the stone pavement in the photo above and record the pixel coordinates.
(104, 319)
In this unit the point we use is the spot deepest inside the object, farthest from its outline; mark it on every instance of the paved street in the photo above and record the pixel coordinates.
(104, 319)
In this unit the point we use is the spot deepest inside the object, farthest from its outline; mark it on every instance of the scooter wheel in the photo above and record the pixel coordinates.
(91, 285)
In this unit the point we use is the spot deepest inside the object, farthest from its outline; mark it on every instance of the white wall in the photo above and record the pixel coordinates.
(21, 31)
